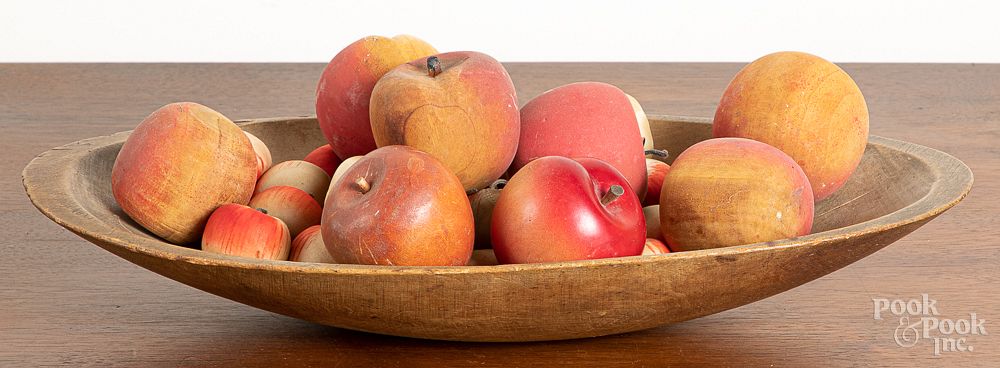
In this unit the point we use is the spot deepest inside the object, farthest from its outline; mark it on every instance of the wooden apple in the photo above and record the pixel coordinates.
(345, 88)
(299, 174)
(643, 120)
(341, 169)
(263, 154)
(181, 163)
(324, 157)
(296, 208)
(308, 247)
(652, 217)
(560, 209)
(459, 107)
(398, 206)
(803, 105)
(241, 231)
(586, 119)
(733, 191)
(483, 202)
(654, 246)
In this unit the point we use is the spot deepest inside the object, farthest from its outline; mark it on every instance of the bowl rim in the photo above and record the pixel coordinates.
(61, 207)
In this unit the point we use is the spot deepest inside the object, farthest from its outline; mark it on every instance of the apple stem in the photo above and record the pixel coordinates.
(433, 66)
(262, 210)
(363, 185)
(658, 153)
(613, 193)
(499, 184)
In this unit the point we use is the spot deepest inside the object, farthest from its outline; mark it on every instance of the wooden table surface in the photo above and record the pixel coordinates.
(65, 301)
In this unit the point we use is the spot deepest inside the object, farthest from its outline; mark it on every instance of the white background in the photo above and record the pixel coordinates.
(510, 30)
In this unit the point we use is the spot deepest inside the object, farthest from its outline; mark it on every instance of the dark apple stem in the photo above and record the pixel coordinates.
(658, 153)
(499, 184)
(433, 66)
(613, 193)
(363, 185)
(262, 210)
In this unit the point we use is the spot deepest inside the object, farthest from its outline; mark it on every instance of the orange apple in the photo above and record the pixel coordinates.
(345, 88)
(459, 107)
(803, 105)
(181, 163)
(241, 231)
(296, 208)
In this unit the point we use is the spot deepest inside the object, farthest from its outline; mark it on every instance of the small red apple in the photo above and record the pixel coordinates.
(241, 231)
(656, 171)
(654, 246)
(324, 157)
(309, 247)
(560, 209)
(296, 208)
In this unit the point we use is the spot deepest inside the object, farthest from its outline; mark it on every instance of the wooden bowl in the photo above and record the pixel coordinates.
(897, 188)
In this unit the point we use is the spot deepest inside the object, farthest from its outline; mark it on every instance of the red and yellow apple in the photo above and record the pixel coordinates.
(263, 154)
(398, 206)
(181, 163)
(324, 157)
(654, 246)
(459, 107)
(308, 247)
(241, 231)
(345, 88)
(560, 209)
(586, 119)
(803, 105)
(296, 208)
(296, 173)
(656, 170)
(733, 191)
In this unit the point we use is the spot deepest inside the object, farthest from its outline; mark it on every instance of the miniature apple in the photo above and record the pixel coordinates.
(345, 88)
(296, 173)
(459, 107)
(309, 247)
(560, 209)
(241, 231)
(483, 202)
(181, 163)
(656, 170)
(398, 206)
(586, 119)
(803, 105)
(296, 208)
(324, 157)
(263, 154)
(654, 246)
(732, 191)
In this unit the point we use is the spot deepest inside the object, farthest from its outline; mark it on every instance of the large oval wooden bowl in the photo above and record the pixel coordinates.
(897, 188)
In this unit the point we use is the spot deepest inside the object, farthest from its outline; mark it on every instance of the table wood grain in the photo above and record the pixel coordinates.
(64, 301)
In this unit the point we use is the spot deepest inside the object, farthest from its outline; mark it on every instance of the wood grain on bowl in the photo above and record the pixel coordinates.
(897, 188)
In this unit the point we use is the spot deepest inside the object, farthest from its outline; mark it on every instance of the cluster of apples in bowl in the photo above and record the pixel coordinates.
(430, 158)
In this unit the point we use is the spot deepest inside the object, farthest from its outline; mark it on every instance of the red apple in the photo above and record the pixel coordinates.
(181, 163)
(459, 107)
(560, 209)
(586, 119)
(345, 88)
(656, 170)
(309, 247)
(324, 157)
(296, 173)
(654, 246)
(241, 231)
(398, 206)
(263, 154)
(296, 208)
